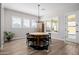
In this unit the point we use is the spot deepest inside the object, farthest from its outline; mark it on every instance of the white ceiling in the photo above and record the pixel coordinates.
(50, 8)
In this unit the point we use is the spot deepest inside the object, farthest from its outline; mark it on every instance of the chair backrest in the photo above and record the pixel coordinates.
(49, 35)
(44, 38)
(27, 33)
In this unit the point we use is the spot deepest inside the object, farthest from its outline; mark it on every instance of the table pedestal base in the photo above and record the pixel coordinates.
(39, 48)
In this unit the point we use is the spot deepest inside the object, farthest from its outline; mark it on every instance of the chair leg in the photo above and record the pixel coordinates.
(28, 44)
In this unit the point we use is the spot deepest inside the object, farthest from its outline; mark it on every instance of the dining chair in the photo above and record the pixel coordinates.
(29, 39)
(49, 36)
(50, 40)
(44, 41)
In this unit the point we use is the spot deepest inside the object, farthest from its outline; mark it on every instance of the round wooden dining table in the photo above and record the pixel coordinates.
(37, 35)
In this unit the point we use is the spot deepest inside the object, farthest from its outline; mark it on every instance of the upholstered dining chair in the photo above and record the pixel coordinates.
(44, 41)
(50, 40)
(31, 40)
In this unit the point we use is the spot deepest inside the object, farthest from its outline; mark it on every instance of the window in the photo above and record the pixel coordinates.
(26, 23)
(33, 24)
(48, 26)
(55, 23)
(52, 25)
(16, 22)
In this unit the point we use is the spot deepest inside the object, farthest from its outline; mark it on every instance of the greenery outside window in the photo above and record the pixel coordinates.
(48, 26)
(55, 23)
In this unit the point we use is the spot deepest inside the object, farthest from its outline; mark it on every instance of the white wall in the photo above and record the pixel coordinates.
(62, 25)
(1, 25)
(8, 22)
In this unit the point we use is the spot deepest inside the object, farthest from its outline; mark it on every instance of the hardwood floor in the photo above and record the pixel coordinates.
(57, 47)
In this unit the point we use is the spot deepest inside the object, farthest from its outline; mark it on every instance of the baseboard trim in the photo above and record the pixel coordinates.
(58, 39)
(18, 38)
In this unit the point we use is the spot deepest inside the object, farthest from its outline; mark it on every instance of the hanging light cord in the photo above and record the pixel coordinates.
(38, 12)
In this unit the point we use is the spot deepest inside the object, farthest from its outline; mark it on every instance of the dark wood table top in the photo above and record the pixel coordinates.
(38, 33)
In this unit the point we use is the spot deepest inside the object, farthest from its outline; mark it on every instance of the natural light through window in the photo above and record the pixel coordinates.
(33, 24)
(26, 23)
(55, 23)
(52, 25)
(16, 22)
(48, 26)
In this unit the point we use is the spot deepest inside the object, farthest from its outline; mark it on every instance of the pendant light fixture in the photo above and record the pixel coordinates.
(40, 23)
(38, 13)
